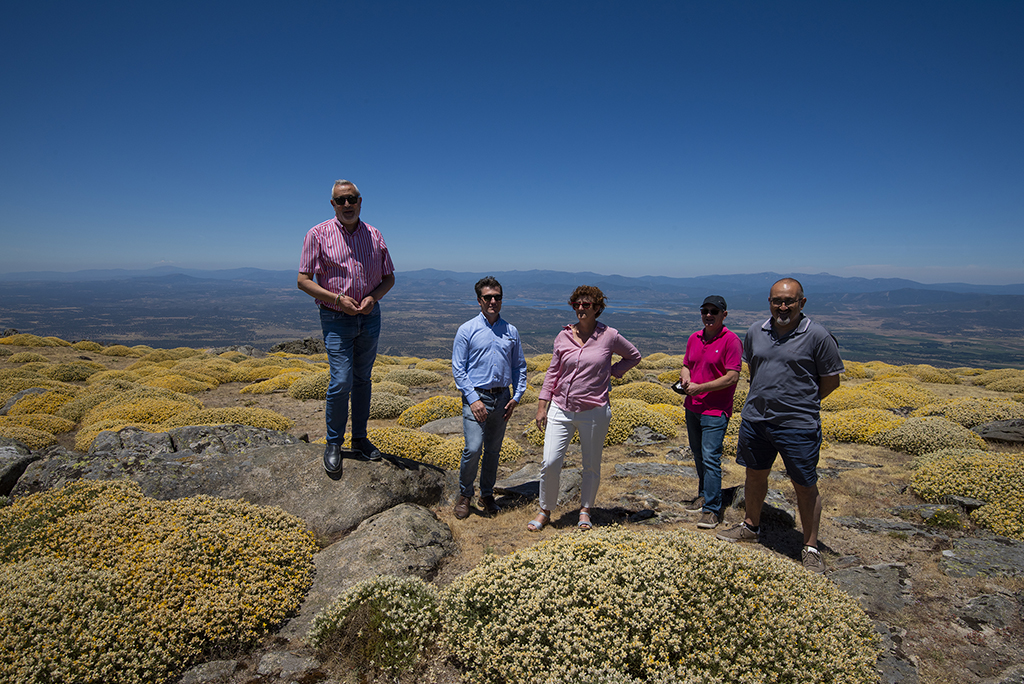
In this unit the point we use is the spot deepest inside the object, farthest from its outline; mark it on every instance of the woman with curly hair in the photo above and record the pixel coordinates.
(575, 397)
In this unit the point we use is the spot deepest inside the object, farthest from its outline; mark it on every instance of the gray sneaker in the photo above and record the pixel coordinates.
(708, 521)
(813, 561)
(740, 533)
(694, 506)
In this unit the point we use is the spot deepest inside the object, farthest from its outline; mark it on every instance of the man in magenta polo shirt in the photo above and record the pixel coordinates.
(352, 271)
(711, 369)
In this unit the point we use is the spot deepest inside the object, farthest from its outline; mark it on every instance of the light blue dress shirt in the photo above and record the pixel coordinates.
(488, 356)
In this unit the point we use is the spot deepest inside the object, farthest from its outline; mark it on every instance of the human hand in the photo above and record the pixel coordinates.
(479, 411)
(542, 418)
(510, 407)
(365, 306)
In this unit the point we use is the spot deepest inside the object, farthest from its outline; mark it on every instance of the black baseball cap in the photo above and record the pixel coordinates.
(716, 301)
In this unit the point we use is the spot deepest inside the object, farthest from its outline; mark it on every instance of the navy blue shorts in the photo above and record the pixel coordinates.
(760, 442)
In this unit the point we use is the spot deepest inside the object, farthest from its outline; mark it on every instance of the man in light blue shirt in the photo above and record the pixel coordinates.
(487, 357)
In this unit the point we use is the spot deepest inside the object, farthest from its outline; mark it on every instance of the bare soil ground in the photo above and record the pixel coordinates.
(946, 650)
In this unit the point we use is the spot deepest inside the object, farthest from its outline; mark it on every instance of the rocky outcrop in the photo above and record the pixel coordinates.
(1002, 431)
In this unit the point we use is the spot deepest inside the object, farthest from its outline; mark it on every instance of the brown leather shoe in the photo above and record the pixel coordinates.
(462, 508)
(490, 506)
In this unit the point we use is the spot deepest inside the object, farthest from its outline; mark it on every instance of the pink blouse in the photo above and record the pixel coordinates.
(579, 377)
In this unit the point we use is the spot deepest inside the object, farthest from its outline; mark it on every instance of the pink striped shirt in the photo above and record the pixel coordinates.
(579, 377)
(350, 264)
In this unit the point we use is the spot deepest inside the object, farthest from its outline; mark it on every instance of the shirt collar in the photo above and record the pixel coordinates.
(801, 327)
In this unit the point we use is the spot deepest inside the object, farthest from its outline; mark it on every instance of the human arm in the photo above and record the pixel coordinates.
(307, 284)
(542, 414)
(460, 373)
(826, 385)
(730, 378)
(630, 355)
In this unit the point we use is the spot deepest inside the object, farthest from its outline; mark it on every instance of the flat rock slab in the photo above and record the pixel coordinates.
(444, 426)
(242, 463)
(525, 483)
(879, 589)
(885, 526)
(996, 557)
(1002, 430)
(406, 541)
(653, 470)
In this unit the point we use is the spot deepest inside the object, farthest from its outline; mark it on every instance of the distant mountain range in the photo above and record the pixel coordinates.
(889, 319)
(742, 283)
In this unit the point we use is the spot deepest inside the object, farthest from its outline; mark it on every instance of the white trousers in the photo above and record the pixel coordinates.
(593, 428)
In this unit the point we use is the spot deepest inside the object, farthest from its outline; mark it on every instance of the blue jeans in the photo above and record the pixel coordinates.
(483, 438)
(706, 435)
(351, 343)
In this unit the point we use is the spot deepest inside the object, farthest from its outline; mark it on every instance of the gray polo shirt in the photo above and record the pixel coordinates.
(784, 373)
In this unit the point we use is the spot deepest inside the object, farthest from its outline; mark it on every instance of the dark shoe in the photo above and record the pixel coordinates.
(462, 508)
(366, 448)
(490, 506)
(332, 460)
(694, 506)
(812, 560)
(708, 521)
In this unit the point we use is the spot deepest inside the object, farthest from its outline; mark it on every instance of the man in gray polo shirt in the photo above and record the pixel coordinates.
(794, 363)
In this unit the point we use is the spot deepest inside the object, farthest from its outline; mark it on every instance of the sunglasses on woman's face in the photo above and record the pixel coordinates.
(581, 305)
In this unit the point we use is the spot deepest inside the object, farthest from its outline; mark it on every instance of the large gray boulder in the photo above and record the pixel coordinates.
(238, 462)
(407, 541)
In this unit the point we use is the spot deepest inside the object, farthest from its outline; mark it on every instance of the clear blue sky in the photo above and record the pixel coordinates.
(664, 138)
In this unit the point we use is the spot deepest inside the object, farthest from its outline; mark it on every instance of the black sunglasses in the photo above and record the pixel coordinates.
(351, 199)
(712, 312)
(491, 298)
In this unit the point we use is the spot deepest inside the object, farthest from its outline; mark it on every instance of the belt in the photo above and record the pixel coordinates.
(491, 390)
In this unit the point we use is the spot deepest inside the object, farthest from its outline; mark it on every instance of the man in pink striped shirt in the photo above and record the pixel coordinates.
(352, 271)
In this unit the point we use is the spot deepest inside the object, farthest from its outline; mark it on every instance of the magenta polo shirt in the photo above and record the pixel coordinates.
(579, 378)
(350, 264)
(710, 360)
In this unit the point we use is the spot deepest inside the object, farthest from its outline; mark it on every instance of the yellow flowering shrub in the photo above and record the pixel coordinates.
(739, 398)
(153, 409)
(99, 584)
(387, 406)
(632, 375)
(655, 360)
(530, 396)
(93, 395)
(30, 437)
(399, 441)
(177, 383)
(642, 601)
(648, 392)
(916, 436)
(901, 394)
(447, 453)
(430, 409)
(988, 377)
(27, 357)
(858, 425)
(46, 402)
(231, 415)
(382, 625)
(538, 362)
(844, 398)
(997, 478)
(391, 388)
(274, 384)
(412, 377)
(971, 411)
(27, 340)
(41, 421)
(674, 412)
(105, 376)
(669, 377)
(72, 372)
(1009, 384)
(214, 370)
(120, 350)
(435, 365)
(926, 373)
(538, 379)
(310, 386)
(627, 415)
(88, 345)
(855, 370)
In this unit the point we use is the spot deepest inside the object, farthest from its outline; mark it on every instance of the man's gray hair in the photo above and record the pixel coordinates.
(342, 181)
